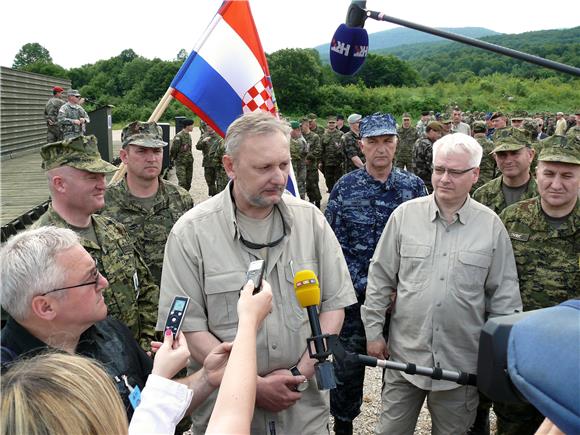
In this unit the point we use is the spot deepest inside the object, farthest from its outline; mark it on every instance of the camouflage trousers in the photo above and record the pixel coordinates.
(53, 134)
(312, 189)
(209, 174)
(184, 171)
(517, 419)
(222, 179)
(346, 398)
(300, 172)
(331, 175)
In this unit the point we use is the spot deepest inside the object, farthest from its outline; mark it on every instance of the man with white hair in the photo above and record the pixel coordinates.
(449, 261)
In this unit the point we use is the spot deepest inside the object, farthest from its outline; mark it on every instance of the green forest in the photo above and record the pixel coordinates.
(410, 78)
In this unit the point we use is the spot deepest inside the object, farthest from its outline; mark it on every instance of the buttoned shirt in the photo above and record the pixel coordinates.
(447, 277)
(205, 260)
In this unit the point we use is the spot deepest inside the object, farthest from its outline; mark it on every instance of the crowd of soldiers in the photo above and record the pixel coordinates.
(125, 226)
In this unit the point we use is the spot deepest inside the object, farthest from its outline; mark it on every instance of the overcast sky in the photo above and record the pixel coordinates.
(81, 32)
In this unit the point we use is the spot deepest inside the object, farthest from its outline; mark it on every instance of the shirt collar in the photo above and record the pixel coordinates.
(463, 214)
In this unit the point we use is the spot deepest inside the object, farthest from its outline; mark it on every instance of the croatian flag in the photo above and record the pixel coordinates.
(226, 73)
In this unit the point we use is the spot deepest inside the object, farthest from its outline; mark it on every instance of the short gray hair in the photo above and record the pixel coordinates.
(253, 124)
(28, 266)
(459, 143)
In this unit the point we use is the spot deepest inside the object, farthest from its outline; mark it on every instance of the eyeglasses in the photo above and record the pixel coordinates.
(453, 173)
(95, 274)
(253, 245)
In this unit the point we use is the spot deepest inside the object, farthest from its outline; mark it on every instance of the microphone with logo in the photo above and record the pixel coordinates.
(319, 345)
(350, 43)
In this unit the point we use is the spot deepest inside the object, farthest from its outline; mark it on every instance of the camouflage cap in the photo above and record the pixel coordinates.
(79, 152)
(479, 127)
(294, 124)
(512, 139)
(73, 93)
(378, 124)
(304, 119)
(406, 116)
(435, 125)
(143, 134)
(496, 115)
(312, 116)
(331, 118)
(560, 149)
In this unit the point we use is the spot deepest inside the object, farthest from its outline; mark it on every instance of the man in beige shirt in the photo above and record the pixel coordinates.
(449, 261)
(207, 256)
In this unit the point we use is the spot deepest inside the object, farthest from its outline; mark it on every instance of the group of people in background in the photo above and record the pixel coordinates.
(429, 230)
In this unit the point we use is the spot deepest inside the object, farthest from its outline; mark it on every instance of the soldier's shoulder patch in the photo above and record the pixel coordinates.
(520, 237)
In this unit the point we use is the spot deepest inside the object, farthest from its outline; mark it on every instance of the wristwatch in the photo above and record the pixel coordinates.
(303, 385)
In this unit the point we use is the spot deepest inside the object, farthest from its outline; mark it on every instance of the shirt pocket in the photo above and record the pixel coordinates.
(294, 314)
(223, 292)
(471, 270)
(415, 267)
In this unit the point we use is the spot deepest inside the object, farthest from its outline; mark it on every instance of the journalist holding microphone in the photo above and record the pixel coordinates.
(206, 258)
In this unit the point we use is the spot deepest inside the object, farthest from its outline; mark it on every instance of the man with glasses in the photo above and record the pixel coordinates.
(72, 117)
(514, 155)
(444, 264)
(206, 258)
(54, 293)
(76, 181)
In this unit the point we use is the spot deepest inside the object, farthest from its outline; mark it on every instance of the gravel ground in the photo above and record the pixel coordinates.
(366, 421)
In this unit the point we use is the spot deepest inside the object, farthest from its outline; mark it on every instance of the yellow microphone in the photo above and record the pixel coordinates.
(307, 288)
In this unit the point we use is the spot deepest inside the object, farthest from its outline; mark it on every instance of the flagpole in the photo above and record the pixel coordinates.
(155, 116)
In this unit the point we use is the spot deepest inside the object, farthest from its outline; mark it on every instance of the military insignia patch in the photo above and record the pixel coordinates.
(520, 237)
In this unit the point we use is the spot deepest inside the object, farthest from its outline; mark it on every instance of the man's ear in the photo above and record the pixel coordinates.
(58, 183)
(43, 307)
(123, 155)
(228, 163)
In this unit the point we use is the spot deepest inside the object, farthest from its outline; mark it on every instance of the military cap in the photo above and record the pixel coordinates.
(378, 124)
(187, 122)
(57, 89)
(73, 93)
(496, 115)
(425, 113)
(406, 116)
(304, 119)
(354, 118)
(435, 125)
(488, 116)
(143, 134)
(312, 116)
(294, 124)
(479, 127)
(519, 115)
(445, 120)
(512, 139)
(331, 118)
(340, 117)
(560, 149)
(79, 152)
(560, 113)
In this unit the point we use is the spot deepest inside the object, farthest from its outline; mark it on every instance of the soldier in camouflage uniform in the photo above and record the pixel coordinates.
(545, 235)
(299, 149)
(423, 153)
(574, 131)
(76, 176)
(208, 144)
(51, 114)
(72, 118)
(311, 162)
(332, 153)
(314, 127)
(422, 123)
(513, 154)
(350, 143)
(499, 122)
(407, 138)
(181, 154)
(358, 209)
(145, 204)
(487, 166)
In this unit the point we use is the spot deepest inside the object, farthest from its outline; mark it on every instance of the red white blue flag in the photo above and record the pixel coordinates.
(226, 73)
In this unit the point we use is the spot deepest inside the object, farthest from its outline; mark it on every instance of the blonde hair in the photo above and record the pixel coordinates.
(58, 393)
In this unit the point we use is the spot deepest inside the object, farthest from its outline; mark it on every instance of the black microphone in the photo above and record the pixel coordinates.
(308, 295)
(350, 43)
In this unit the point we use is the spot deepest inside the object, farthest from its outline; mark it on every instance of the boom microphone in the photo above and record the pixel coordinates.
(348, 49)
(308, 294)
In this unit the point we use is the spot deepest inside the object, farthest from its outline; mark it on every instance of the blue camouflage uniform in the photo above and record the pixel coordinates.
(358, 209)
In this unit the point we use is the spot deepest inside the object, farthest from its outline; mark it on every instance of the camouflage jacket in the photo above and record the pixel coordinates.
(423, 160)
(212, 147)
(407, 139)
(332, 154)
(181, 147)
(315, 151)
(548, 259)
(132, 296)
(148, 228)
(69, 113)
(299, 149)
(491, 194)
(51, 110)
(487, 167)
(358, 209)
(350, 143)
